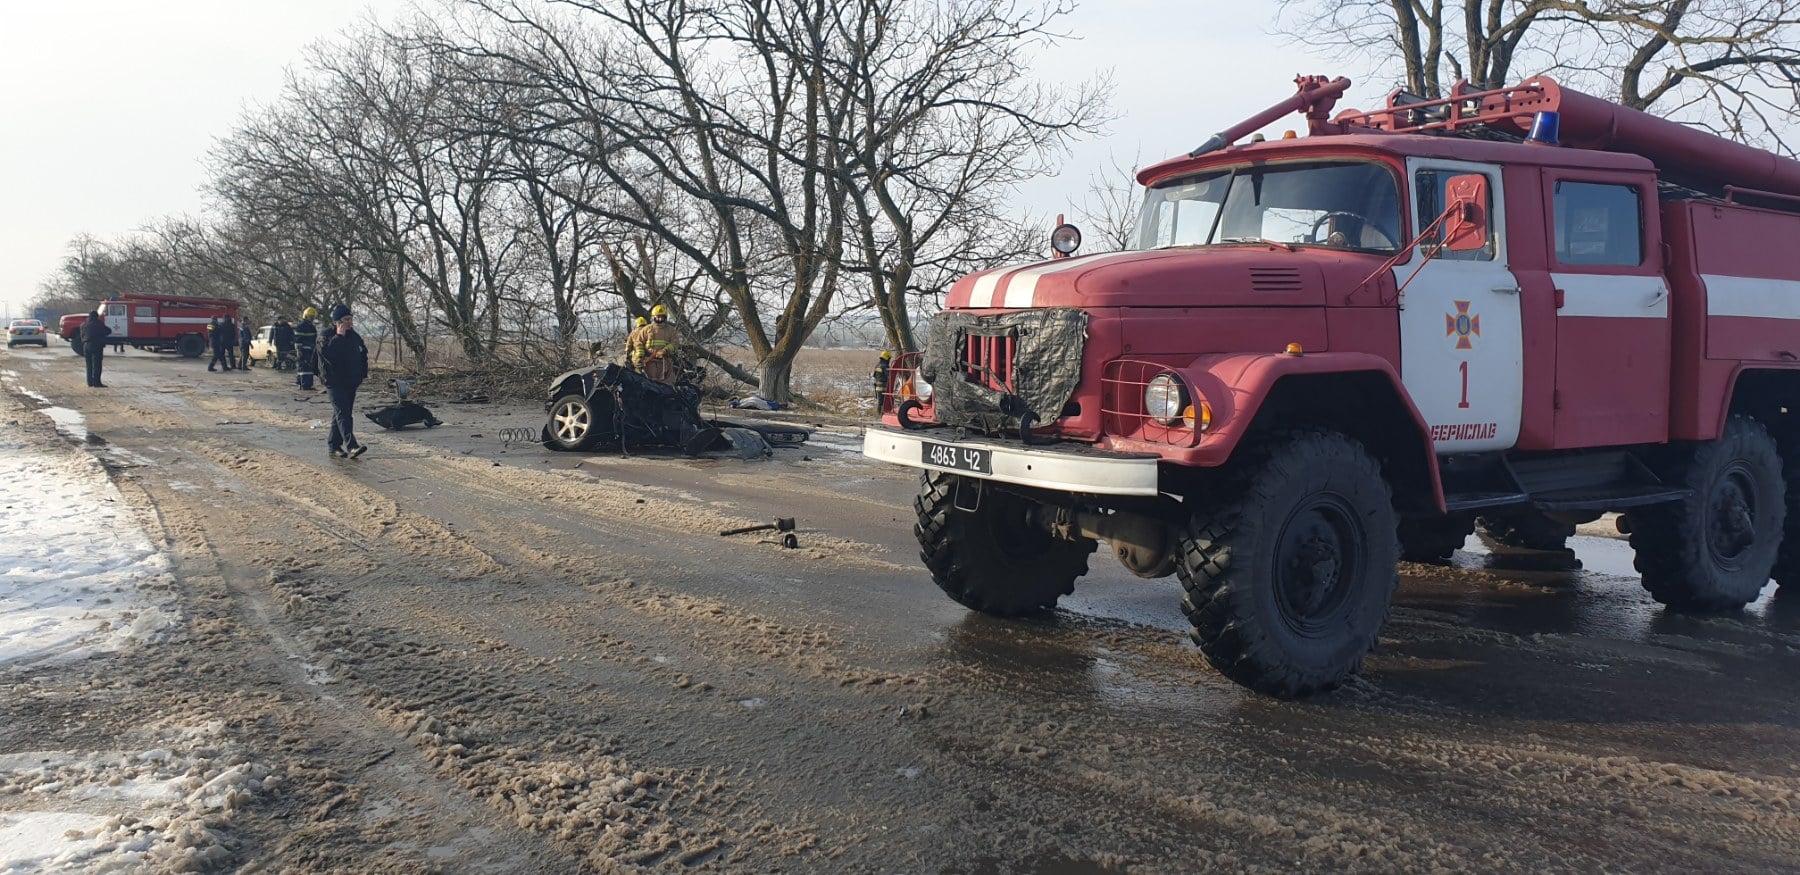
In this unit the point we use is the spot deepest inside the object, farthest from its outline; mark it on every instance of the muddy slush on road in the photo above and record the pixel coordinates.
(462, 655)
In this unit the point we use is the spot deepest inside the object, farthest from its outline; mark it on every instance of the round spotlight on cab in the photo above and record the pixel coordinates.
(1065, 239)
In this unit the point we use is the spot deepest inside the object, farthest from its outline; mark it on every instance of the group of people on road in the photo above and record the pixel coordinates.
(230, 341)
(342, 360)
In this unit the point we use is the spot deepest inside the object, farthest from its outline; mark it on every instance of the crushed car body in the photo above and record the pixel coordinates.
(611, 406)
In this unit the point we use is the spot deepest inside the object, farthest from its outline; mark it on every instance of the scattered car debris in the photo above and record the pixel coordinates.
(781, 524)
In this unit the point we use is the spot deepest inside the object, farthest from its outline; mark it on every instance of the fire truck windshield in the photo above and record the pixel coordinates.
(1342, 204)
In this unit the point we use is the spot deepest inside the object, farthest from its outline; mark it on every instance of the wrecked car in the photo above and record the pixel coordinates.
(612, 406)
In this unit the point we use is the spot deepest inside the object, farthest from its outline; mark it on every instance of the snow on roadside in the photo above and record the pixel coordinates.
(83, 577)
(85, 580)
(159, 809)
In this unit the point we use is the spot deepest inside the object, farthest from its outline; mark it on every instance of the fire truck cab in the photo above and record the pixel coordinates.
(1526, 306)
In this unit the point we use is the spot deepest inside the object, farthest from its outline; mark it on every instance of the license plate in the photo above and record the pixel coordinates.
(956, 458)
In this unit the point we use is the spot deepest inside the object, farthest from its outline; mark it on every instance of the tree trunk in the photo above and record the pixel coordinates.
(775, 382)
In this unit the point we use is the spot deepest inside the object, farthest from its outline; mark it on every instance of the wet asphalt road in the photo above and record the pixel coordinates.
(827, 709)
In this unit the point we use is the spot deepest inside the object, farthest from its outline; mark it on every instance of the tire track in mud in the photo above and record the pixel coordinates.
(359, 787)
(505, 776)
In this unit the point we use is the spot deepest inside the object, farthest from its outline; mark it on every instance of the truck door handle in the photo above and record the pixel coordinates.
(1506, 290)
(1660, 297)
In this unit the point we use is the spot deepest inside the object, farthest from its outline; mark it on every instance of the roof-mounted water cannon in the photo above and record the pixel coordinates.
(1544, 111)
(1315, 98)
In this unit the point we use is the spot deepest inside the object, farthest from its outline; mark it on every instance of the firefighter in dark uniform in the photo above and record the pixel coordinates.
(306, 347)
(215, 335)
(283, 336)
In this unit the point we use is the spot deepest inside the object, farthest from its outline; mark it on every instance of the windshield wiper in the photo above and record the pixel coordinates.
(1288, 246)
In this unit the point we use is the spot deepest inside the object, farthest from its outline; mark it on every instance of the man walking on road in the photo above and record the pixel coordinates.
(344, 363)
(93, 347)
(306, 348)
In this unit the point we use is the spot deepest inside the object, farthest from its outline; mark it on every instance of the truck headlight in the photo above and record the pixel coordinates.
(1165, 399)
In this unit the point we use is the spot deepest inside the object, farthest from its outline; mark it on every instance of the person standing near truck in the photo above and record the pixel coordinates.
(306, 347)
(93, 347)
(228, 337)
(880, 377)
(282, 335)
(243, 341)
(344, 363)
(215, 335)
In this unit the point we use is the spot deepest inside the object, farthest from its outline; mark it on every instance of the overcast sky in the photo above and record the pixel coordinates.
(108, 107)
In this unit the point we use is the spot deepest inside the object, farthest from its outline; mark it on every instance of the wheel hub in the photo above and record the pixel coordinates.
(1319, 550)
(571, 422)
(1732, 518)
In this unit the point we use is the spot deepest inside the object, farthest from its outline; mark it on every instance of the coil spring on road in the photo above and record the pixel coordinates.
(518, 435)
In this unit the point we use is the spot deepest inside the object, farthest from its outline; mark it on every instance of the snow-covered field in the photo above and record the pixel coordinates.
(80, 579)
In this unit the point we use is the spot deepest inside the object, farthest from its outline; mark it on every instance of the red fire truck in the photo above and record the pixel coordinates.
(1328, 352)
(161, 323)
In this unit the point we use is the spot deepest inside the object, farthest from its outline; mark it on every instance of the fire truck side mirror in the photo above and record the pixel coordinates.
(1466, 227)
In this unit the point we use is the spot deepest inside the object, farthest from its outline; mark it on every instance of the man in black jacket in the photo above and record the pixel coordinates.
(215, 337)
(93, 347)
(228, 328)
(344, 363)
(283, 337)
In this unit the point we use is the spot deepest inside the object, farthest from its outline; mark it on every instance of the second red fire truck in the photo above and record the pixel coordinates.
(162, 323)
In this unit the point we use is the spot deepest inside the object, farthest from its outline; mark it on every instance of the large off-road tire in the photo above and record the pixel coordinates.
(992, 559)
(1787, 559)
(75, 344)
(1714, 550)
(1527, 530)
(1289, 570)
(572, 424)
(1432, 540)
(190, 346)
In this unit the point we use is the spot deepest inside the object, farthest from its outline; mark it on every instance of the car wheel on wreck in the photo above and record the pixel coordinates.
(990, 557)
(572, 424)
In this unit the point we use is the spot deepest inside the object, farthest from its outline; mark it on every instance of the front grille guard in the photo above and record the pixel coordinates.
(1122, 412)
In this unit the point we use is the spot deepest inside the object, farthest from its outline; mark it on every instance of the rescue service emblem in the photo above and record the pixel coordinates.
(1462, 325)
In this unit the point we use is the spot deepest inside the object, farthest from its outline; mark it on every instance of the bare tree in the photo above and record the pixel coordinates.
(1109, 212)
(1730, 66)
(783, 148)
(944, 121)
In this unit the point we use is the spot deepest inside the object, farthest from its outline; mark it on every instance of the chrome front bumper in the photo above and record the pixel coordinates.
(1064, 469)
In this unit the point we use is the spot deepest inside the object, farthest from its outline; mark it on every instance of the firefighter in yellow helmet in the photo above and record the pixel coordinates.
(880, 377)
(652, 348)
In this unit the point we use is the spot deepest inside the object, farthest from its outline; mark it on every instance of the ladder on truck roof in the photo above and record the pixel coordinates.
(1689, 157)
